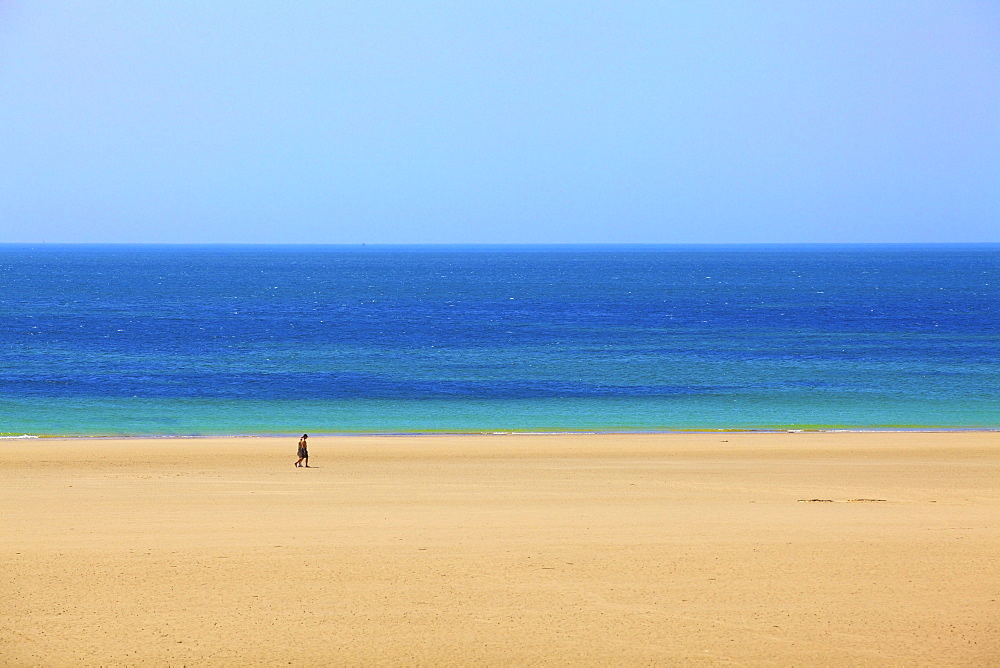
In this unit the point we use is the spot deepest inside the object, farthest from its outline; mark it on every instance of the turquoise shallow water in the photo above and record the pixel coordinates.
(147, 340)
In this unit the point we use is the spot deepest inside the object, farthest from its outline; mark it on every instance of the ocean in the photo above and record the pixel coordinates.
(110, 340)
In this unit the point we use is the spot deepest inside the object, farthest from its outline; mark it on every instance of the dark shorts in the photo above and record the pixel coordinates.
(303, 452)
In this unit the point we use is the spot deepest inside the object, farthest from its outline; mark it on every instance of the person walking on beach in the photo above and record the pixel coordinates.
(303, 451)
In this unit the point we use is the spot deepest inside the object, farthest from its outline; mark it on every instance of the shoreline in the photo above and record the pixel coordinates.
(588, 432)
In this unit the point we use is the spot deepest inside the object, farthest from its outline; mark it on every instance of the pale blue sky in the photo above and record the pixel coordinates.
(539, 121)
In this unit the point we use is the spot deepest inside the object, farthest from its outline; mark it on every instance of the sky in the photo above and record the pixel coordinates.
(506, 121)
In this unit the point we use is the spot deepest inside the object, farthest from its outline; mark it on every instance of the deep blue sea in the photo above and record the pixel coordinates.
(187, 340)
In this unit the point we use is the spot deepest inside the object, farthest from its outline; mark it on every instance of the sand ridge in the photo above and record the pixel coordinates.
(514, 549)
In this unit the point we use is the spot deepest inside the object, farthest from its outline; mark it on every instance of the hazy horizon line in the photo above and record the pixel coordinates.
(493, 244)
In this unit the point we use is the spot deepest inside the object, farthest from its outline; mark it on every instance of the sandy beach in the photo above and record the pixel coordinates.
(667, 549)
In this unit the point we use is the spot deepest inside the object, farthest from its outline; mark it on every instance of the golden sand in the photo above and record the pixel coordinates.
(675, 549)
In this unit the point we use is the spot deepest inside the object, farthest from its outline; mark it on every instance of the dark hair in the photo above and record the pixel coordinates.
(305, 435)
